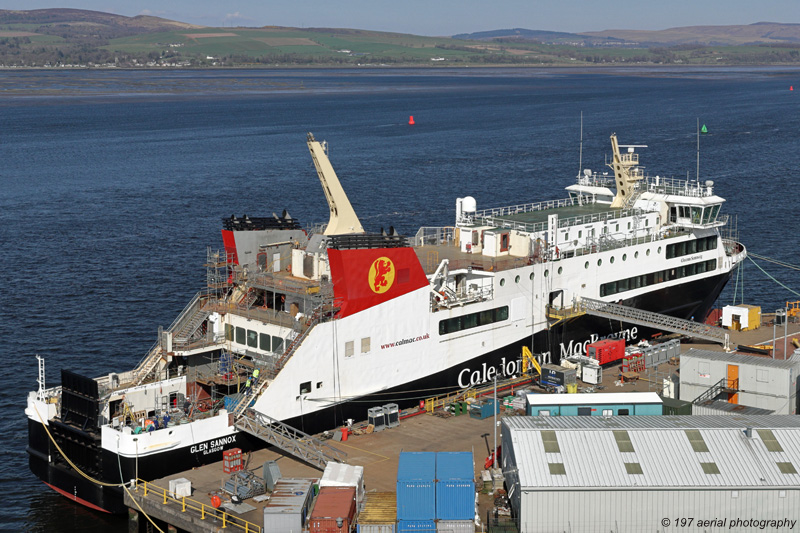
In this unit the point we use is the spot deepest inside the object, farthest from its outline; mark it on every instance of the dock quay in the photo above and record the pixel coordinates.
(431, 428)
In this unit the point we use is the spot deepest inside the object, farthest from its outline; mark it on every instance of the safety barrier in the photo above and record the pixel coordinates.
(194, 506)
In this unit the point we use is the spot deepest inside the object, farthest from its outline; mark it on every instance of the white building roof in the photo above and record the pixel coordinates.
(741, 359)
(594, 398)
(670, 451)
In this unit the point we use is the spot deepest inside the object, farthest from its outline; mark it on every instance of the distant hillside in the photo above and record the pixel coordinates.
(74, 38)
(536, 36)
(758, 33)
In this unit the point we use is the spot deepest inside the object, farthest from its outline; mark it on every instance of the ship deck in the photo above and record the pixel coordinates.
(430, 256)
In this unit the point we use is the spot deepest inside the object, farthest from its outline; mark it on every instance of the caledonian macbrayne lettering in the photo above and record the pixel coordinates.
(212, 446)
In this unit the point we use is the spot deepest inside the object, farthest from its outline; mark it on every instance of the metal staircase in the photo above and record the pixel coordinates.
(730, 386)
(301, 445)
(148, 365)
(185, 334)
(654, 320)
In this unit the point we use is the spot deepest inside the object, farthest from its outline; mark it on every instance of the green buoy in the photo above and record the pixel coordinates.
(704, 129)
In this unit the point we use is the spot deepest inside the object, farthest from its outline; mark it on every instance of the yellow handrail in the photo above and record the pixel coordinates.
(198, 507)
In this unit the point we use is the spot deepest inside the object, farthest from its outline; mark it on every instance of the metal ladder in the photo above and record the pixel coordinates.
(654, 320)
(301, 445)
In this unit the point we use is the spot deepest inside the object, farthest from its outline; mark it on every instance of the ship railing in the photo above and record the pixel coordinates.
(596, 180)
(597, 217)
(152, 493)
(539, 227)
(434, 236)
(676, 186)
(194, 344)
(530, 207)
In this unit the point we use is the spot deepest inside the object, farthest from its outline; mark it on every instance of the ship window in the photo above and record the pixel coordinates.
(472, 320)
(659, 249)
(586, 265)
(714, 212)
(502, 281)
(647, 253)
(624, 257)
(277, 344)
(560, 270)
(252, 338)
(546, 273)
(697, 215)
(599, 262)
(241, 336)
(516, 279)
(264, 342)
(580, 233)
(349, 349)
(531, 276)
(305, 387)
(612, 259)
(319, 384)
(365, 344)
(617, 228)
(636, 255)
(229, 332)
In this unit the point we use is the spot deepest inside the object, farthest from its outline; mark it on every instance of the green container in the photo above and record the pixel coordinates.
(676, 407)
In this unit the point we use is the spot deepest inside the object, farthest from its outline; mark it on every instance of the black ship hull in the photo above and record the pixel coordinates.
(693, 299)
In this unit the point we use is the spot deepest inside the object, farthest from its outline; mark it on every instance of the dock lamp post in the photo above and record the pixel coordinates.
(780, 316)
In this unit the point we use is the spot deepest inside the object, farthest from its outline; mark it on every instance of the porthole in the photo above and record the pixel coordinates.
(560, 270)
(624, 257)
(502, 282)
(648, 252)
(636, 255)
(516, 280)
(586, 265)
(531, 276)
(546, 273)
(612, 259)
(659, 250)
(599, 262)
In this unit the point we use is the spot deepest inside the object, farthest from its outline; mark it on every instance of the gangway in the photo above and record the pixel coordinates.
(293, 441)
(654, 320)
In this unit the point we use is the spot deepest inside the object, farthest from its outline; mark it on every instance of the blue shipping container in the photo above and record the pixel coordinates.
(455, 487)
(416, 526)
(416, 490)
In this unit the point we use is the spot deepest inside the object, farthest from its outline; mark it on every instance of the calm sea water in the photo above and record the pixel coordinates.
(114, 183)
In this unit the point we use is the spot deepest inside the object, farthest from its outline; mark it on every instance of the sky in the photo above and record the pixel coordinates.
(445, 17)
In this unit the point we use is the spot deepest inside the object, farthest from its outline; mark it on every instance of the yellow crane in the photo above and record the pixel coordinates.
(528, 359)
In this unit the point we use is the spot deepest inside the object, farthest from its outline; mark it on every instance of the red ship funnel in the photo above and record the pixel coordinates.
(411, 120)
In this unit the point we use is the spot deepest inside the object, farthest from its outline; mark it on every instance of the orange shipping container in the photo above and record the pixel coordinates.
(334, 510)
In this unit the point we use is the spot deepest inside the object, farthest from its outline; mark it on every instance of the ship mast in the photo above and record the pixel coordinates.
(626, 171)
(343, 218)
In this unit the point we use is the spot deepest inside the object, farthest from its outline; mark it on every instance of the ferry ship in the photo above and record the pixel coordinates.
(337, 320)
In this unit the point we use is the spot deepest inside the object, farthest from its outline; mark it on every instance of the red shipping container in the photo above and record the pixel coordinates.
(334, 506)
(607, 350)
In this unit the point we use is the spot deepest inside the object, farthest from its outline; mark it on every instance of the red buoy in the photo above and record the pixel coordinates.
(411, 120)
